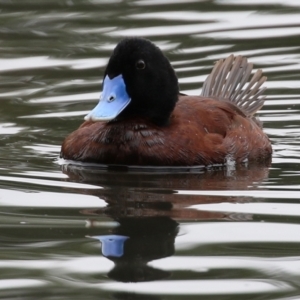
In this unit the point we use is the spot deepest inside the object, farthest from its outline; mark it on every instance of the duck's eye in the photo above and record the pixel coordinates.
(140, 64)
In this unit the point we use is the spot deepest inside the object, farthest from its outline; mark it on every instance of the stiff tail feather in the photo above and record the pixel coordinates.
(228, 81)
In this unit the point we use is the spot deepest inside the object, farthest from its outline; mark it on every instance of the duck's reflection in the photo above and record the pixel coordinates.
(148, 206)
(166, 194)
(136, 242)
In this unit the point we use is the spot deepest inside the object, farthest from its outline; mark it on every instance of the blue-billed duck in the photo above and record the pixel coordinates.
(142, 118)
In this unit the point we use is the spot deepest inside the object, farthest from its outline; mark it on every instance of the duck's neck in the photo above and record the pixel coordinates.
(159, 113)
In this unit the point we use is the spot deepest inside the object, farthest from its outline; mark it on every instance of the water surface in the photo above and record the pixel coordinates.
(74, 232)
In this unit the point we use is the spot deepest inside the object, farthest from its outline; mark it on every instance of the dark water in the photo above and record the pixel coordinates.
(218, 234)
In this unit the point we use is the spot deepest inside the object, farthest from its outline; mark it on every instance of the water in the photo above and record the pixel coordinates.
(75, 232)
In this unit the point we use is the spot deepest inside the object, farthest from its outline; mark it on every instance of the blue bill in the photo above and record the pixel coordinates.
(113, 100)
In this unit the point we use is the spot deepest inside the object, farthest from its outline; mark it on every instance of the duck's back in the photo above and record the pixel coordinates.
(222, 132)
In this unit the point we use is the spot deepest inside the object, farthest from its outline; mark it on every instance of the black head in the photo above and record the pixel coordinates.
(150, 80)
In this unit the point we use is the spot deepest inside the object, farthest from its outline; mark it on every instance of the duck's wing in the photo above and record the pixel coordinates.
(228, 81)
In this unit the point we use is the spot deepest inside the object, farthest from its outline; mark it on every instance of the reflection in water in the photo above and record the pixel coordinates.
(158, 194)
(147, 207)
(148, 239)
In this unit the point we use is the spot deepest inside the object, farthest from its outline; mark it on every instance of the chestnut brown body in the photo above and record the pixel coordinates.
(201, 131)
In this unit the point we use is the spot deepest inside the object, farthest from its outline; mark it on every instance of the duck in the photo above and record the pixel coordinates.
(143, 119)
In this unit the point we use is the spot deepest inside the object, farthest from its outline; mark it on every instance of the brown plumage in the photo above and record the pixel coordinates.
(211, 133)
